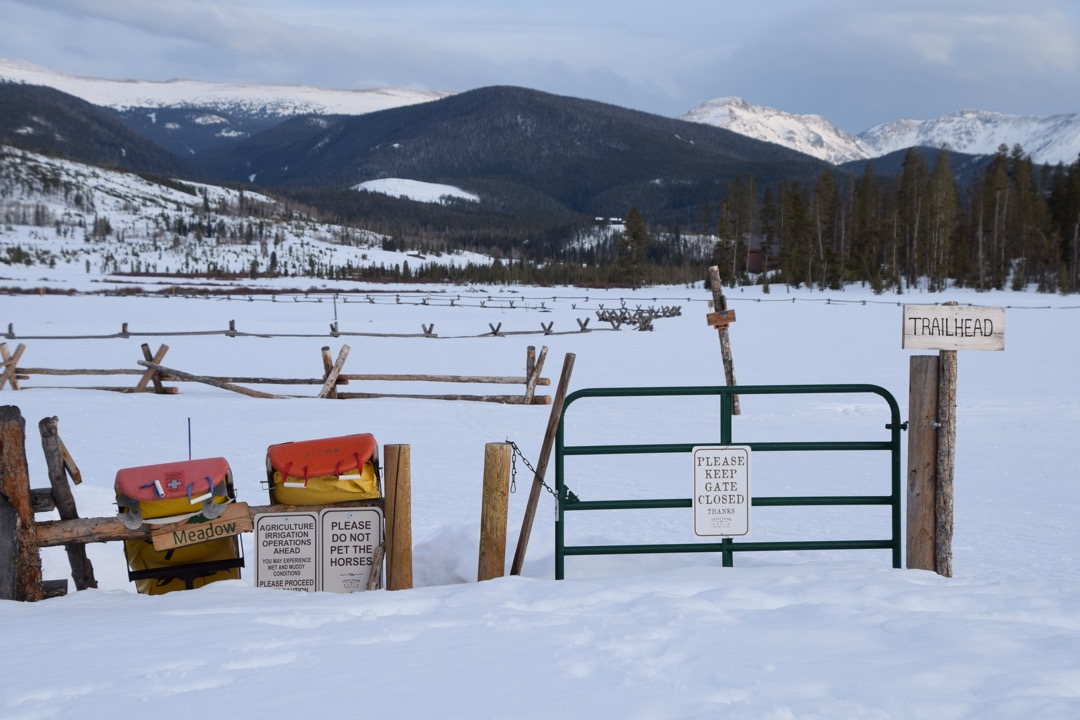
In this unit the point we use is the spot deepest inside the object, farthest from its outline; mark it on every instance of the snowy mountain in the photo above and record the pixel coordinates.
(1051, 139)
(262, 99)
(810, 134)
(196, 118)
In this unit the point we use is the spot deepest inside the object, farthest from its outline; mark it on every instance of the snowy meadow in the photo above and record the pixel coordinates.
(779, 635)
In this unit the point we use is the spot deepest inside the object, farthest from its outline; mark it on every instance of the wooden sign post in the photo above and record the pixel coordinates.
(946, 328)
(720, 320)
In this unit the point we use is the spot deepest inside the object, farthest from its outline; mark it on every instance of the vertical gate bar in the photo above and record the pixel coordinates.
(560, 492)
(726, 554)
(726, 411)
(897, 524)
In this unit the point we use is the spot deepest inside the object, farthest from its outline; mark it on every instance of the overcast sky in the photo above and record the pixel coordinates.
(856, 62)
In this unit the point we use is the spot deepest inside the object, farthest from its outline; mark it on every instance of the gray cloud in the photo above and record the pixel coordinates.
(855, 62)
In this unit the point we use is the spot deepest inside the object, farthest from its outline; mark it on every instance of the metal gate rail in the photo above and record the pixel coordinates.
(567, 502)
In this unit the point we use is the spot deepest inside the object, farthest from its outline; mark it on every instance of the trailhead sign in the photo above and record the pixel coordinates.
(721, 500)
(953, 327)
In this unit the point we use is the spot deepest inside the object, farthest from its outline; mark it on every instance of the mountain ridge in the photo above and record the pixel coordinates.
(1047, 139)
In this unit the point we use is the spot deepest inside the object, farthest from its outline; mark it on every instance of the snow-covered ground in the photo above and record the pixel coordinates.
(416, 190)
(792, 635)
(64, 223)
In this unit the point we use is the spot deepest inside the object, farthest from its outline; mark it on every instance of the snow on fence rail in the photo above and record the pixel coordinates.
(153, 375)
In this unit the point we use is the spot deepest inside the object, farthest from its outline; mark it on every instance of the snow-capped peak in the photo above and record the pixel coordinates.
(1047, 139)
(267, 99)
(810, 134)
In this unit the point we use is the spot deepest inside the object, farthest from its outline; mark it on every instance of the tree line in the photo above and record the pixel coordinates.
(1016, 224)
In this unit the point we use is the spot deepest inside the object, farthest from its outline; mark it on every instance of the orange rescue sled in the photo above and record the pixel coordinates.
(172, 492)
(321, 472)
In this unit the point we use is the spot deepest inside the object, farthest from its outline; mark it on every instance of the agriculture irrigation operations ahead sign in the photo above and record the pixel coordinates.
(953, 327)
(721, 499)
(331, 550)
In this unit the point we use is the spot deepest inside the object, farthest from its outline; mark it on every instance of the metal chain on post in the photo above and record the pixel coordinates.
(570, 497)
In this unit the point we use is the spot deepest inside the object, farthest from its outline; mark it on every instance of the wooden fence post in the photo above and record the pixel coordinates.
(16, 509)
(534, 366)
(397, 477)
(330, 383)
(495, 506)
(82, 572)
(946, 449)
(922, 461)
(725, 340)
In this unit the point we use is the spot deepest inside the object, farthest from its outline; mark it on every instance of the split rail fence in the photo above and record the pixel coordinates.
(152, 376)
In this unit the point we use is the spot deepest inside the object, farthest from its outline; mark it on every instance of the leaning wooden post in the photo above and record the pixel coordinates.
(720, 307)
(946, 455)
(495, 505)
(397, 477)
(922, 462)
(534, 367)
(330, 382)
(151, 374)
(10, 374)
(541, 465)
(328, 365)
(18, 548)
(82, 572)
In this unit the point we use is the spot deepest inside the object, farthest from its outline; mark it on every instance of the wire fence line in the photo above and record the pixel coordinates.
(617, 312)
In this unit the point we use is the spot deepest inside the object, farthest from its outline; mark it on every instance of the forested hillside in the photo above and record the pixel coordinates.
(1015, 224)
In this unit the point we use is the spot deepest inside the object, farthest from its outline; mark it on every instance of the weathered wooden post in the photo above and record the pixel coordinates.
(932, 411)
(397, 477)
(330, 382)
(82, 571)
(20, 561)
(541, 464)
(922, 461)
(495, 505)
(946, 462)
(720, 318)
(534, 366)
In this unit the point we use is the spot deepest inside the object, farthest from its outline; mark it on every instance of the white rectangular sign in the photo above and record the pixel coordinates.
(953, 327)
(285, 551)
(721, 500)
(348, 540)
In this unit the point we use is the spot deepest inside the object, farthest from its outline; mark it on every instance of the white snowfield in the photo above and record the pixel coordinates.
(417, 190)
(263, 98)
(779, 635)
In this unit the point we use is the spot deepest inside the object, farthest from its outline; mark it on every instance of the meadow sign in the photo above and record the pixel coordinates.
(953, 327)
(721, 499)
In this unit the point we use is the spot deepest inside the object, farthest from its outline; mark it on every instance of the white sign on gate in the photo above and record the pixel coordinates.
(348, 542)
(285, 551)
(721, 500)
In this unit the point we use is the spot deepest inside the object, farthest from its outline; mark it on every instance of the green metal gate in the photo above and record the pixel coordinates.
(568, 503)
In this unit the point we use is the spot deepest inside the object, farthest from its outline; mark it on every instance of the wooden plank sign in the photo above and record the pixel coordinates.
(721, 318)
(234, 519)
(953, 327)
